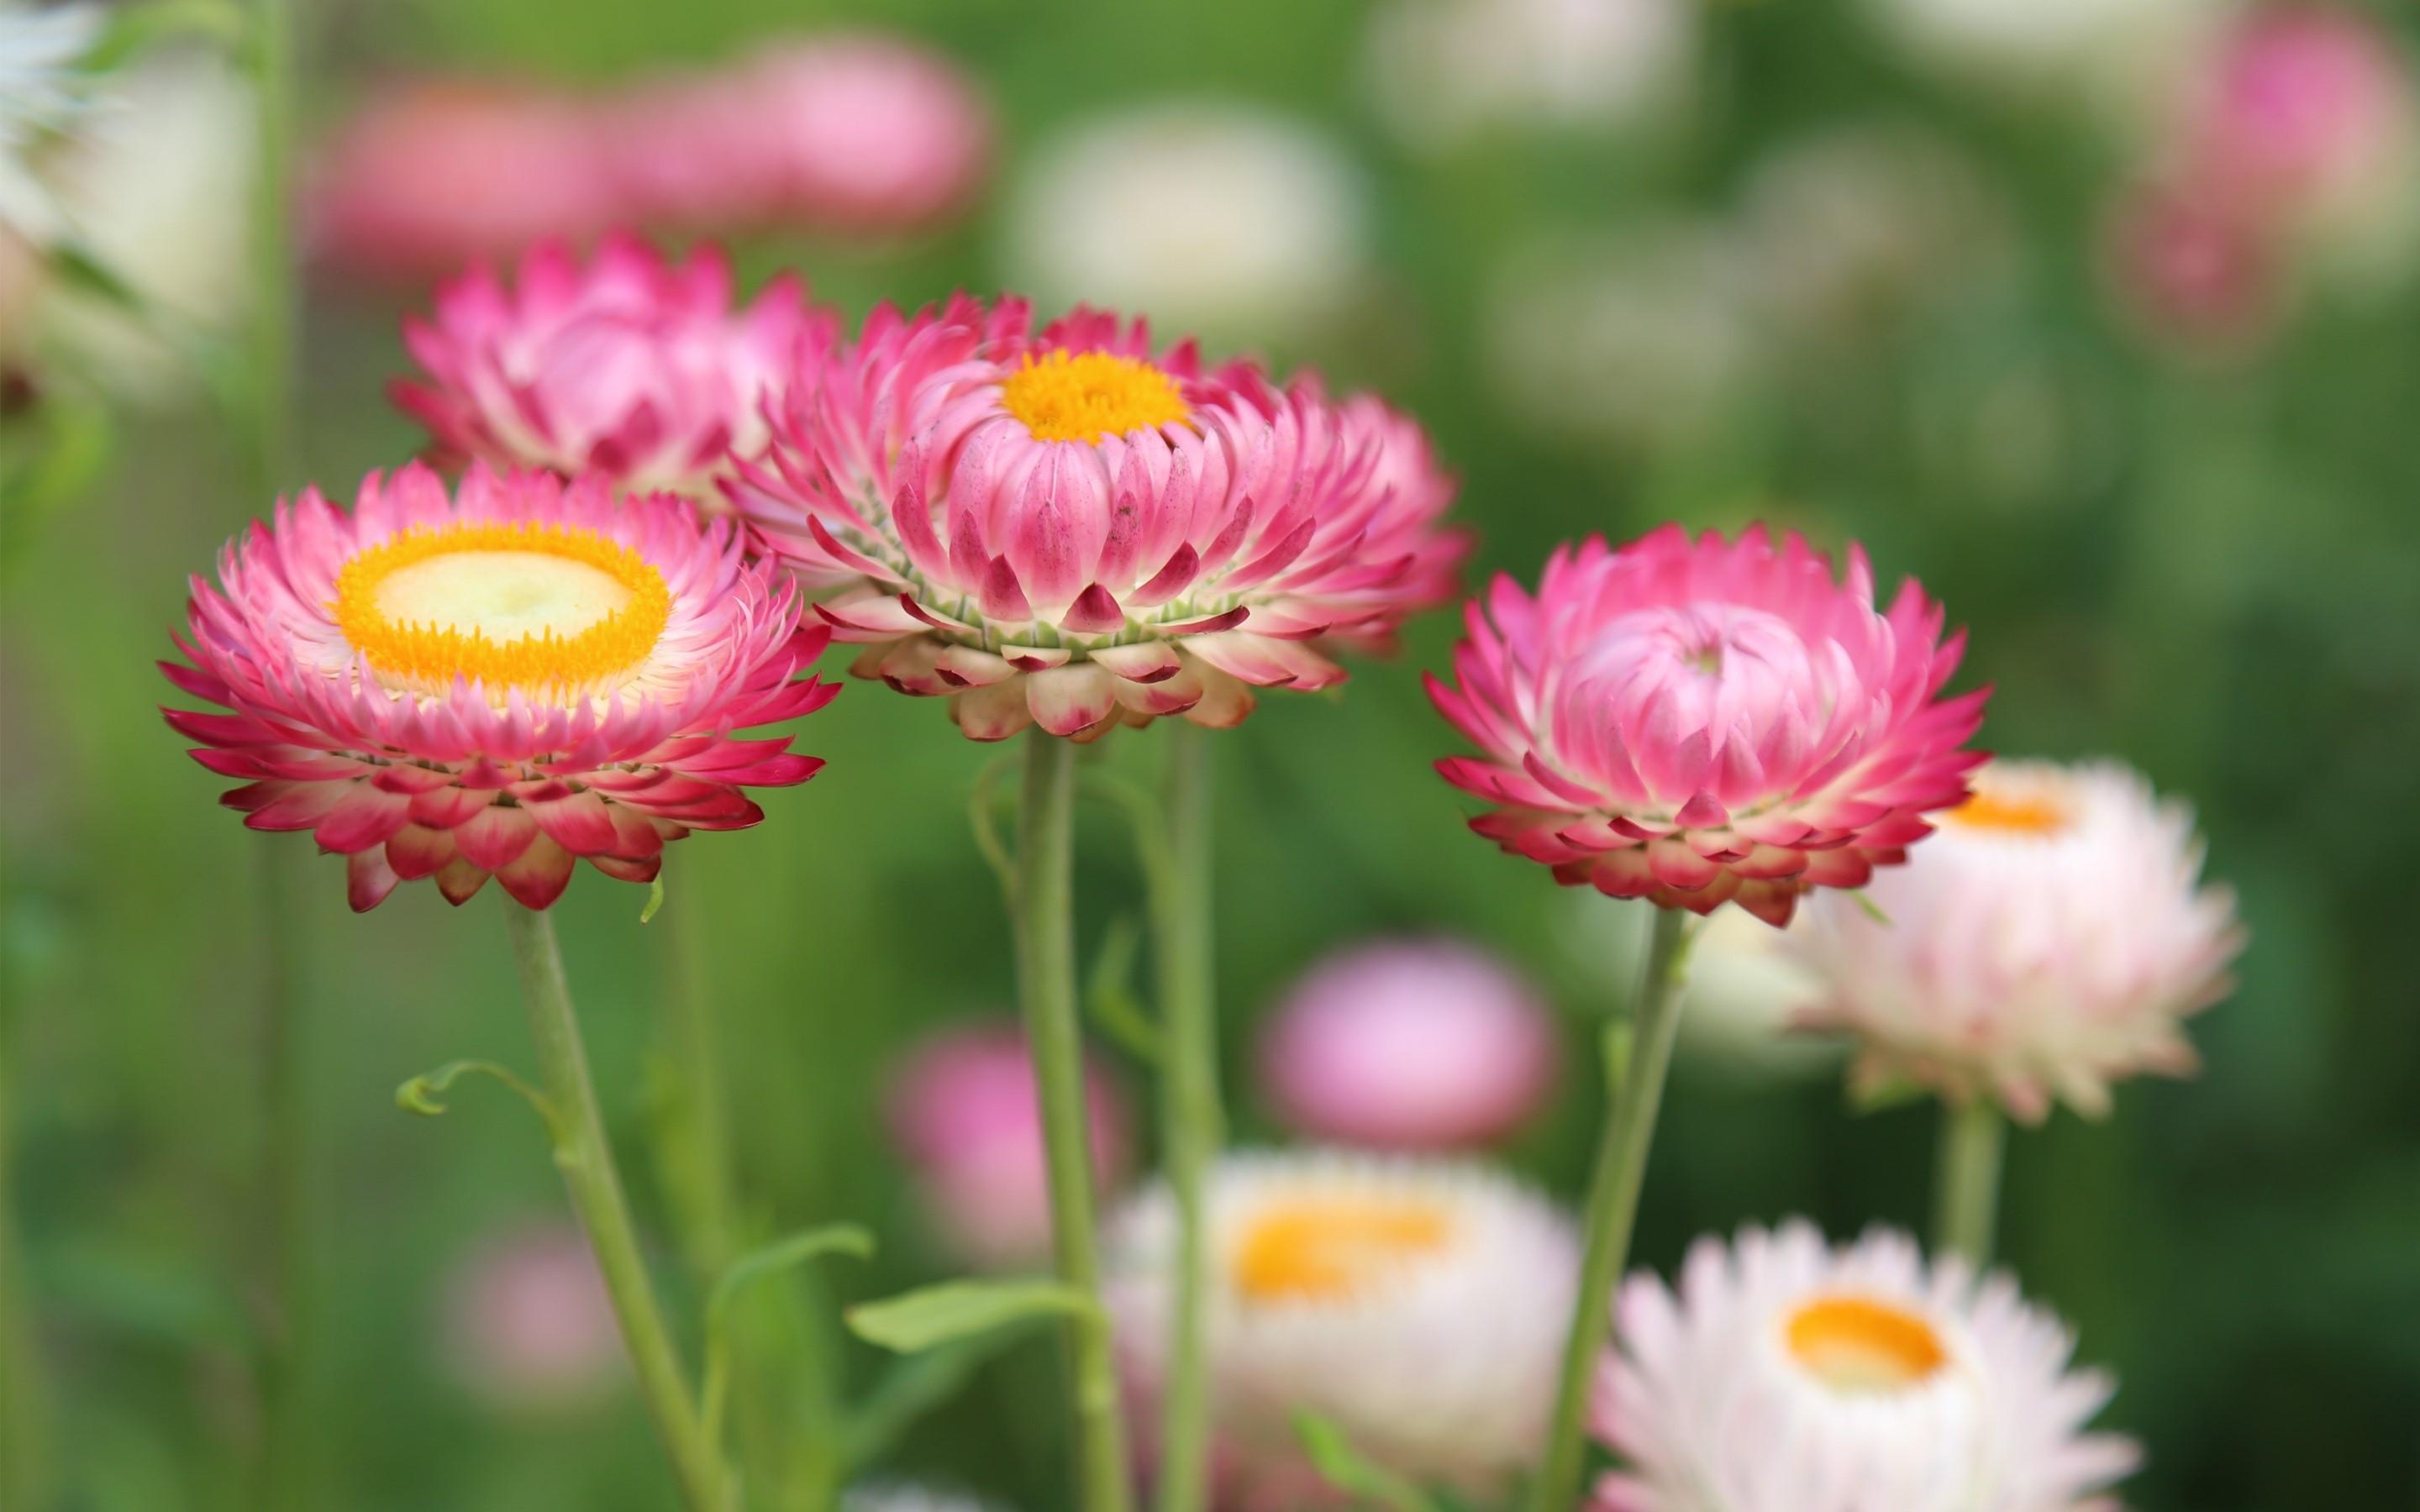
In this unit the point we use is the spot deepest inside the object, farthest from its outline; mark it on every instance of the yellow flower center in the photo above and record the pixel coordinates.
(1081, 396)
(1316, 1249)
(1857, 1346)
(537, 607)
(2014, 814)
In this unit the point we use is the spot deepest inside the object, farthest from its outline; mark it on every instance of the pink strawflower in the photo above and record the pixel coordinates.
(635, 366)
(1699, 722)
(528, 1323)
(964, 1111)
(860, 132)
(502, 682)
(433, 173)
(1069, 528)
(1410, 1044)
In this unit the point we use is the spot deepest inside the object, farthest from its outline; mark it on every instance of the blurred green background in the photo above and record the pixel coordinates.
(2211, 570)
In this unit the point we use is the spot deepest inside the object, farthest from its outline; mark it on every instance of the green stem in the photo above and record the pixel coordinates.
(1968, 1192)
(1192, 1126)
(586, 1160)
(289, 1435)
(1639, 1053)
(1044, 909)
(24, 1449)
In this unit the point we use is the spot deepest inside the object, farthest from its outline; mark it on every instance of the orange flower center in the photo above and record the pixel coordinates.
(1081, 396)
(1857, 1346)
(1317, 1249)
(2013, 813)
(507, 605)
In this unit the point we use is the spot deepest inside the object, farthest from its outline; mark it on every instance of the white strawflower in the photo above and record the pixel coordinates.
(1441, 71)
(43, 88)
(1215, 217)
(1419, 1305)
(2048, 940)
(1786, 1376)
(1636, 338)
(2107, 53)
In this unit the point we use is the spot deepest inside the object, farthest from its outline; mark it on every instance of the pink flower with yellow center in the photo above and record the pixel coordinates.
(500, 682)
(635, 366)
(1074, 530)
(1708, 721)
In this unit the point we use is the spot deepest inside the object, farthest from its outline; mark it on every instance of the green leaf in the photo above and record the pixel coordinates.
(1109, 992)
(655, 898)
(1345, 1468)
(953, 1310)
(812, 1243)
(423, 1093)
(1873, 909)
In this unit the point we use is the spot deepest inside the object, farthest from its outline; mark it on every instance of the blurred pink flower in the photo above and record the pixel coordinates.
(1410, 1044)
(528, 1322)
(855, 133)
(434, 173)
(1698, 722)
(1071, 528)
(2189, 273)
(634, 365)
(2304, 111)
(964, 1112)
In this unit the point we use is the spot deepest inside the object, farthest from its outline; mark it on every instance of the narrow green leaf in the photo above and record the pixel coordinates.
(655, 898)
(812, 1243)
(1345, 1468)
(1109, 992)
(953, 1310)
(913, 1387)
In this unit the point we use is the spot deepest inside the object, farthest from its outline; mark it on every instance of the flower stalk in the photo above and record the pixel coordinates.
(1638, 1056)
(1191, 1125)
(586, 1160)
(1966, 1198)
(1043, 910)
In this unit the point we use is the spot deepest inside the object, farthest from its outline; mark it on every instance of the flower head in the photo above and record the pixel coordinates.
(1410, 1044)
(1781, 1363)
(2048, 941)
(1698, 722)
(500, 682)
(1342, 1285)
(965, 1112)
(634, 366)
(430, 174)
(1072, 529)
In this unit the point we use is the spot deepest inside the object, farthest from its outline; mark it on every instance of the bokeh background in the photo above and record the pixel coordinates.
(1766, 259)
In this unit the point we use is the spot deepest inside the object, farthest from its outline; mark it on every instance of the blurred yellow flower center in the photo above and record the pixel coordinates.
(1855, 1345)
(1071, 397)
(1323, 1250)
(2013, 813)
(503, 604)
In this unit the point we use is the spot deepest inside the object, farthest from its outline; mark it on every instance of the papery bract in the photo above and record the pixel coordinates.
(633, 365)
(1071, 529)
(2049, 940)
(1699, 722)
(1779, 1364)
(499, 682)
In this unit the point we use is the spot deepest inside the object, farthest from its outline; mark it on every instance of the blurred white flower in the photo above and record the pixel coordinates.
(900, 1496)
(1853, 227)
(158, 189)
(1440, 71)
(2049, 940)
(1640, 338)
(1219, 218)
(1419, 1305)
(43, 88)
(2108, 53)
